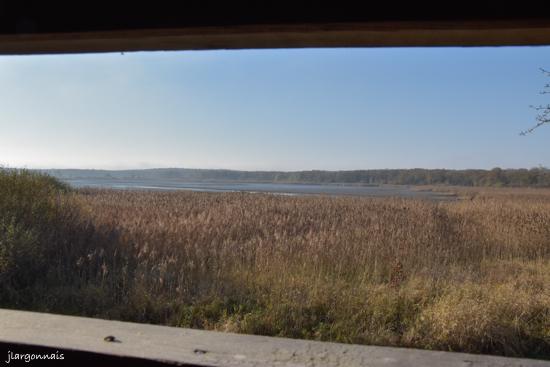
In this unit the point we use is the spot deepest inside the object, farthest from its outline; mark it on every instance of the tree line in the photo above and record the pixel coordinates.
(534, 177)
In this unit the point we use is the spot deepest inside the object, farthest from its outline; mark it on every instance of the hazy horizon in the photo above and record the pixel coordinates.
(275, 110)
(302, 170)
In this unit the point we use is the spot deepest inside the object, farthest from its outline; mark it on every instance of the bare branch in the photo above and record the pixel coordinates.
(544, 111)
(528, 131)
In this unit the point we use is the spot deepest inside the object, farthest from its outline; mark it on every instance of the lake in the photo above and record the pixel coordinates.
(275, 188)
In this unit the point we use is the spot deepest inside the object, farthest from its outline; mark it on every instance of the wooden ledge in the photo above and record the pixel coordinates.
(84, 339)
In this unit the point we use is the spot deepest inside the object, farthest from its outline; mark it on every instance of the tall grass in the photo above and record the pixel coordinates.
(471, 275)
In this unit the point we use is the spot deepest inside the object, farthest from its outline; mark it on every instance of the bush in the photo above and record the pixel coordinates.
(38, 220)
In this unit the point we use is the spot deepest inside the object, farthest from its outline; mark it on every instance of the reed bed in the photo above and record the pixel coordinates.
(471, 275)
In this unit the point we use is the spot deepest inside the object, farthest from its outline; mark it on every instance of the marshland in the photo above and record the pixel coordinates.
(468, 275)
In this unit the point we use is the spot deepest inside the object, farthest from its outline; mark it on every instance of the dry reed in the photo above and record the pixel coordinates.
(470, 275)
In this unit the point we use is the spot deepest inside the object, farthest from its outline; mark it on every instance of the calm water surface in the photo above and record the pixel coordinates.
(276, 188)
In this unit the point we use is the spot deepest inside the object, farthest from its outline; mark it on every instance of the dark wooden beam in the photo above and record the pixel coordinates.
(36, 27)
(376, 34)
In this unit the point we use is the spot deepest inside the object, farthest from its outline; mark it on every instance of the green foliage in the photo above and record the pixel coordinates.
(21, 257)
(37, 224)
(30, 204)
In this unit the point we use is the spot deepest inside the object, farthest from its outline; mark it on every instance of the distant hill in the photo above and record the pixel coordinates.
(534, 177)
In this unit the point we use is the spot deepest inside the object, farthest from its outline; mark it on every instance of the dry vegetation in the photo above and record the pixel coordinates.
(471, 275)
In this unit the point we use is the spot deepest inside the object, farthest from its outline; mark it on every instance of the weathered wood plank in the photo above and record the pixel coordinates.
(208, 348)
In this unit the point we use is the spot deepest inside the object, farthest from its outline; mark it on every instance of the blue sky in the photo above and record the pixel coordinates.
(275, 109)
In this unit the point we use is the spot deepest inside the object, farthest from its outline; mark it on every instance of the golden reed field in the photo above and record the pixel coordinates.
(470, 275)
